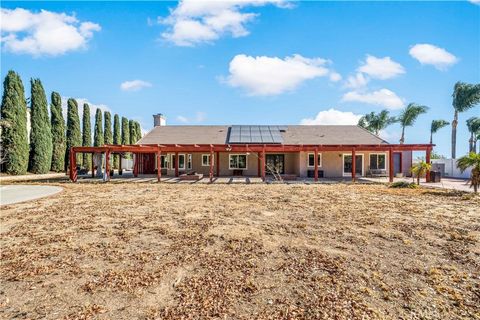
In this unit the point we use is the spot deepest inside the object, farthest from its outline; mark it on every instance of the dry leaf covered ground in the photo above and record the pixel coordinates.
(163, 251)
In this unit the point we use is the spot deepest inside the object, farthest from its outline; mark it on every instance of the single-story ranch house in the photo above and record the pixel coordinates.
(288, 151)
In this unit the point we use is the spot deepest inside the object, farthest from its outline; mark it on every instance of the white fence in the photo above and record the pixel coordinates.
(448, 168)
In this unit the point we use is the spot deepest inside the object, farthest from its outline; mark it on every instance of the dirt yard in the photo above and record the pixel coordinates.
(150, 251)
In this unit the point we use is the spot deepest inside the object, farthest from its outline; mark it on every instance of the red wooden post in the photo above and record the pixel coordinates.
(93, 166)
(107, 164)
(262, 164)
(135, 163)
(159, 165)
(211, 165)
(73, 165)
(390, 164)
(217, 163)
(427, 174)
(176, 164)
(354, 165)
(70, 168)
(316, 164)
(259, 173)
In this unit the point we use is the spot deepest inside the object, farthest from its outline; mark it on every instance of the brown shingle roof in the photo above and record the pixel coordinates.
(294, 134)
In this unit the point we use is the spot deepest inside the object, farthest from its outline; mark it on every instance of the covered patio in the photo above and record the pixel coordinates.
(260, 151)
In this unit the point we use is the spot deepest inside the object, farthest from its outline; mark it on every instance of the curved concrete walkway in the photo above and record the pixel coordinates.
(11, 194)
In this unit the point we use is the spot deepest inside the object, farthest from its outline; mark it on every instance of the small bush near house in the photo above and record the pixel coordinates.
(404, 184)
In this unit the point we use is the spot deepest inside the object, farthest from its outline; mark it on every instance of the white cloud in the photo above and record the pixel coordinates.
(475, 1)
(44, 32)
(193, 22)
(381, 68)
(388, 135)
(199, 117)
(357, 81)
(134, 85)
(429, 54)
(335, 76)
(382, 97)
(271, 75)
(333, 117)
(182, 119)
(81, 102)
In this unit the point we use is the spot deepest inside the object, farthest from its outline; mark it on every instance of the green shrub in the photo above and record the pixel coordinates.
(404, 184)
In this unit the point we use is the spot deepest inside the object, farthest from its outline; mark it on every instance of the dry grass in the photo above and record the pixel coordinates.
(149, 251)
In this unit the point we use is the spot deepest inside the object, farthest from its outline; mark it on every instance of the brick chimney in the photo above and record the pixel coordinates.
(159, 120)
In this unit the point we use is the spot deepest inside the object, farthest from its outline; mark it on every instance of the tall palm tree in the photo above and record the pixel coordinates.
(374, 122)
(437, 125)
(408, 116)
(473, 125)
(465, 96)
(471, 160)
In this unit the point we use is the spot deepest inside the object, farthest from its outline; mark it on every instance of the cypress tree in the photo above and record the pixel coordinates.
(133, 132)
(117, 138)
(86, 136)
(14, 136)
(74, 138)
(98, 133)
(138, 130)
(58, 133)
(41, 131)
(107, 131)
(125, 135)
(125, 131)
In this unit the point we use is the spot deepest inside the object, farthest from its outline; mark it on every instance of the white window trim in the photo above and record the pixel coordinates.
(165, 161)
(238, 154)
(184, 161)
(378, 153)
(319, 162)
(208, 155)
(349, 174)
(189, 161)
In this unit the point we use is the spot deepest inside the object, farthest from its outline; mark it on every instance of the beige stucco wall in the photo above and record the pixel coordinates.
(332, 163)
(295, 163)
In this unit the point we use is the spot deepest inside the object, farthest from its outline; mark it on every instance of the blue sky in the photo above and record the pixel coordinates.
(251, 62)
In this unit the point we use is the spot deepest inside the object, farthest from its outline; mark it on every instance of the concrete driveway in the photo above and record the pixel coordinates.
(11, 194)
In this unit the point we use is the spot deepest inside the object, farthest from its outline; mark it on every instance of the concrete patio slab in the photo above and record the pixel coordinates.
(11, 194)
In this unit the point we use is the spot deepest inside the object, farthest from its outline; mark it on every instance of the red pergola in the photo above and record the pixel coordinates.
(261, 149)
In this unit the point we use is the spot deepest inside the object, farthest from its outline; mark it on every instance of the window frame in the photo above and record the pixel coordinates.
(377, 154)
(166, 161)
(237, 154)
(208, 163)
(349, 174)
(184, 161)
(189, 161)
(320, 158)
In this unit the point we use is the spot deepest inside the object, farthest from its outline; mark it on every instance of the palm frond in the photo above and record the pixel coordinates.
(465, 96)
(408, 115)
(437, 125)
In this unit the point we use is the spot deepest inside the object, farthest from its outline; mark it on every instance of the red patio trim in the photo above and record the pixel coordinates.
(260, 148)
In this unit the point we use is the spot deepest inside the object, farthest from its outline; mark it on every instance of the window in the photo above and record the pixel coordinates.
(181, 161)
(311, 160)
(164, 161)
(189, 161)
(377, 161)
(206, 160)
(238, 161)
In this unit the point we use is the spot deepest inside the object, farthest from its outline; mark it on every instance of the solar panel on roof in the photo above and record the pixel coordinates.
(256, 134)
